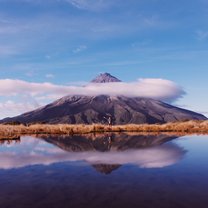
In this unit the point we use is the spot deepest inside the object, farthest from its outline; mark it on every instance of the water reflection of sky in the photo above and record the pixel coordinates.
(174, 173)
(34, 151)
(197, 147)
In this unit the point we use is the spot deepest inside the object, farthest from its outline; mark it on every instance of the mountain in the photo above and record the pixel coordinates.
(104, 78)
(96, 109)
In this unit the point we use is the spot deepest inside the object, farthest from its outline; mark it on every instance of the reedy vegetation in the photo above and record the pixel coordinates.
(189, 127)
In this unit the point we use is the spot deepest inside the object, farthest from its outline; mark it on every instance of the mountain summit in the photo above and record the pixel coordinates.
(104, 78)
(83, 109)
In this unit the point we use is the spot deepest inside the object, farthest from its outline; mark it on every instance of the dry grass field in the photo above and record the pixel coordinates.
(189, 127)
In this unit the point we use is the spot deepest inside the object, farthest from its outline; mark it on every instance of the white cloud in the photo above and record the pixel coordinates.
(202, 35)
(92, 5)
(35, 35)
(80, 49)
(49, 76)
(160, 89)
(20, 96)
(10, 108)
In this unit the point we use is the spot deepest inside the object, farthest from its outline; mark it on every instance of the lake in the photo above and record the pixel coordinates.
(111, 170)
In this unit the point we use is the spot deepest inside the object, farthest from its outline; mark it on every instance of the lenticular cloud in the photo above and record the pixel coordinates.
(19, 96)
(160, 89)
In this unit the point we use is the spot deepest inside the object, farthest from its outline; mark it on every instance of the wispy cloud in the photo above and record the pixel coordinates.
(49, 76)
(10, 108)
(80, 49)
(202, 35)
(92, 5)
(8, 51)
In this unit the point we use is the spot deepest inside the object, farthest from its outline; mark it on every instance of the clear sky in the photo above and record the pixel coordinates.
(71, 41)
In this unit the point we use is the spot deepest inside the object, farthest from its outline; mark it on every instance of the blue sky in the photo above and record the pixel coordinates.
(69, 41)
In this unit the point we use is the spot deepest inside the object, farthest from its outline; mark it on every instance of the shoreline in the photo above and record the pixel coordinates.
(186, 128)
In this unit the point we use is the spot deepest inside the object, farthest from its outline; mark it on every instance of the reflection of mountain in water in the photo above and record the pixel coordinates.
(107, 142)
(104, 152)
(105, 168)
(152, 150)
(10, 141)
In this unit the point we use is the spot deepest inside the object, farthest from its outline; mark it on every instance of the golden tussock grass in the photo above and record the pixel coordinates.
(189, 127)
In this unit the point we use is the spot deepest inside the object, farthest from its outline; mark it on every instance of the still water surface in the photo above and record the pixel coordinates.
(104, 171)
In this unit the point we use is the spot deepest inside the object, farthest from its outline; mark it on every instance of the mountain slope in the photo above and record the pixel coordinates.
(95, 109)
(104, 78)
